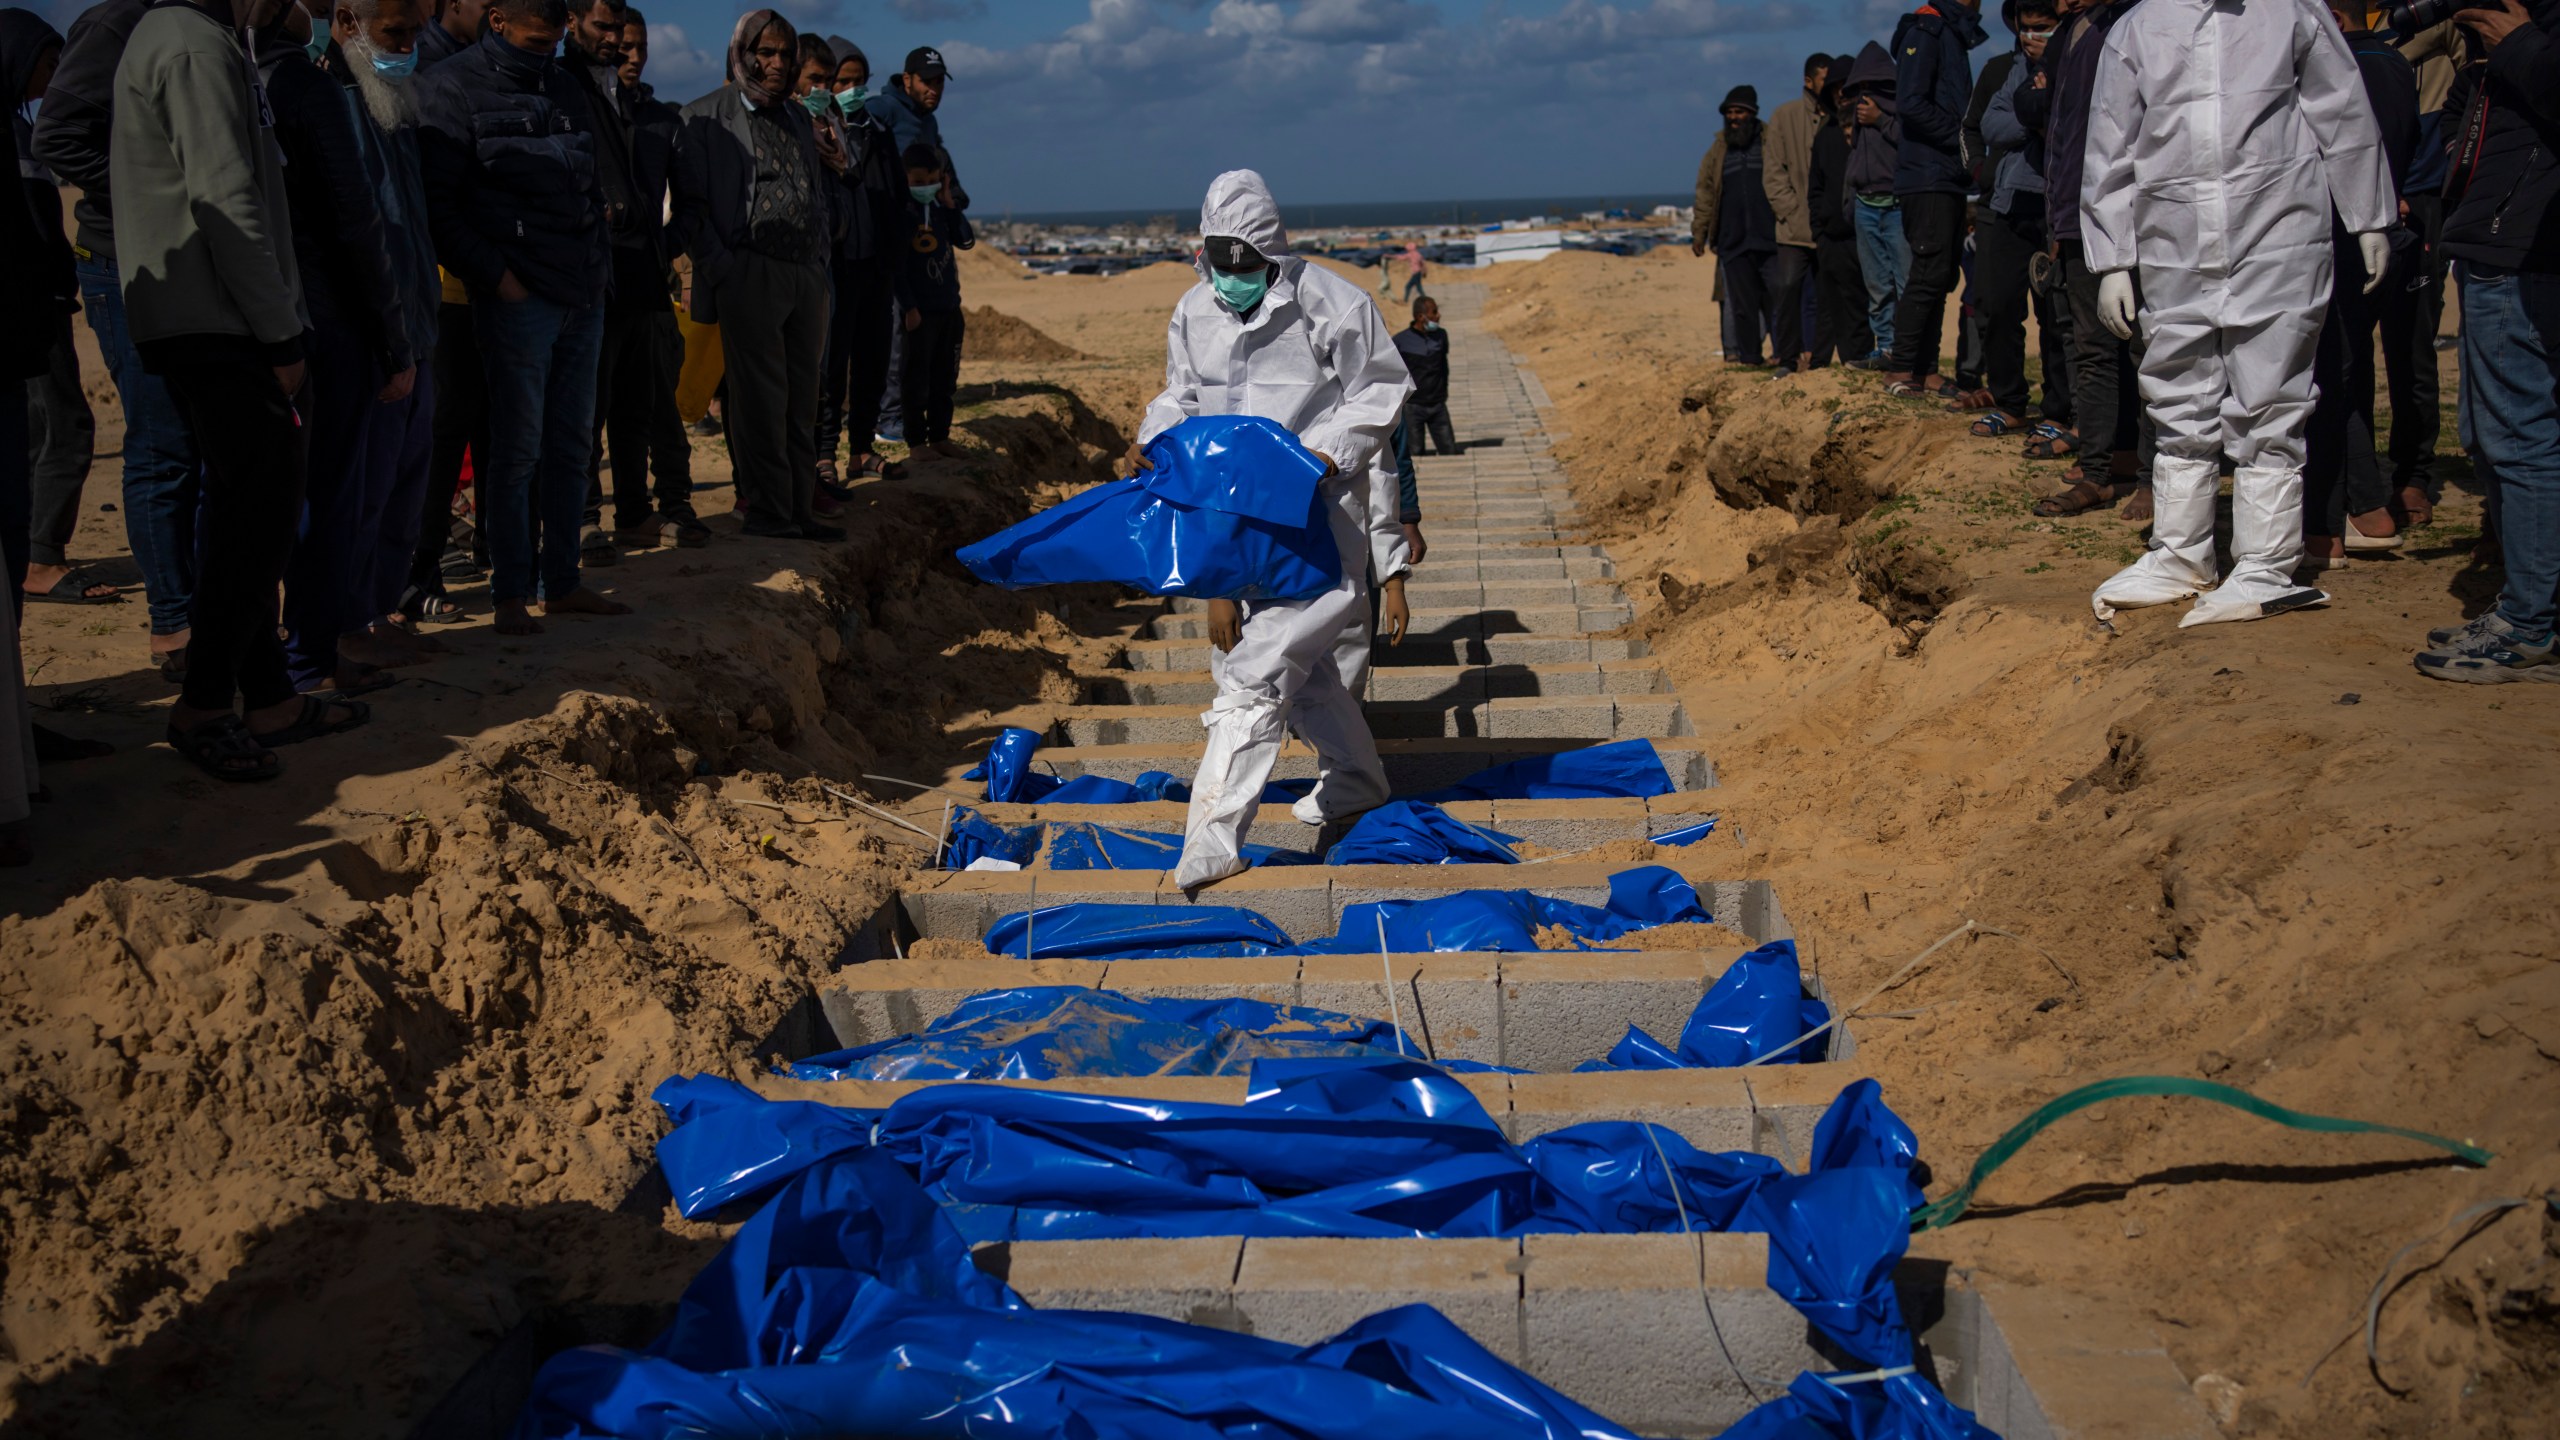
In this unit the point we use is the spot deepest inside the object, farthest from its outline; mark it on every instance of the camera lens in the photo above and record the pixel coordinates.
(2407, 20)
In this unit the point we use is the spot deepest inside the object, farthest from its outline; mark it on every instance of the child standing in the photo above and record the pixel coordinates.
(929, 303)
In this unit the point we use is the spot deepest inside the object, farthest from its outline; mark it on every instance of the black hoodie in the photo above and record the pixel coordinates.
(36, 279)
(78, 118)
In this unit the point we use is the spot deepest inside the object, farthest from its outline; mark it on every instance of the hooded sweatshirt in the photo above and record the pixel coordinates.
(1874, 150)
(77, 120)
(37, 282)
(1933, 87)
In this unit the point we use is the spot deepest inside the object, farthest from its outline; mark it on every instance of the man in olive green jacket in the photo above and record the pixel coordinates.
(1788, 180)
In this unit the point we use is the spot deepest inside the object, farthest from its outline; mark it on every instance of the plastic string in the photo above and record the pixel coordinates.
(2491, 1210)
(1388, 970)
(1866, 1376)
(1943, 1212)
(1671, 1178)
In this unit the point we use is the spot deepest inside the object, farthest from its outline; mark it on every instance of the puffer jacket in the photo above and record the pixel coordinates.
(509, 151)
(340, 241)
(1933, 88)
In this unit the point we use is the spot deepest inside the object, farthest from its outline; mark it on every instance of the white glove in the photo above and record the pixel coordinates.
(2377, 255)
(2115, 303)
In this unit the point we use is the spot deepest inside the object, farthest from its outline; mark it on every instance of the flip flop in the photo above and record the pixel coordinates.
(314, 720)
(172, 665)
(223, 748)
(2083, 497)
(1993, 425)
(2052, 442)
(72, 589)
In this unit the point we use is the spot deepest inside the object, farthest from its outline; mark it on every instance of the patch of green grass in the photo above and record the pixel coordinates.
(1899, 504)
(2038, 568)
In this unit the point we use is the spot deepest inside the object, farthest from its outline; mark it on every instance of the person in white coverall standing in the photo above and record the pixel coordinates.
(2221, 134)
(1265, 333)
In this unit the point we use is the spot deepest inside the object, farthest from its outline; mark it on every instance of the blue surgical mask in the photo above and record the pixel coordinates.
(852, 97)
(395, 67)
(817, 102)
(1432, 326)
(318, 44)
(1241, 293)
(924, 193)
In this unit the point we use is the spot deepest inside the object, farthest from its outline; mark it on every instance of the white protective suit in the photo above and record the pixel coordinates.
(2219, 137)
(1314, 356)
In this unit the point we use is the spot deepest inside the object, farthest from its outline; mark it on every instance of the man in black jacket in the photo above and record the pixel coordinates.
(2505, 244)
(754, 207)
(659, 430)
(509, 146)
(458, 26)
(1425, 348)
(859, 330)
(360, 356)
(1933, 85)
(1840, 285)
(72, 134)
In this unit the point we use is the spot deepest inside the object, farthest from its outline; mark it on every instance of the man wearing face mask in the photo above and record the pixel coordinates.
(213, 294)
(361, 357)
(753, 209)
(376, 59)
(910, 106)
(1265, 333)
(866, 262)
(519, 215)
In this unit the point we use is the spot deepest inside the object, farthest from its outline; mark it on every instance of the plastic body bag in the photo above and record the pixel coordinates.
(1066, 1031)
(1320, 1147)
(850, 1306)
(1621, 768)
(1230, 511)
(974, 836)
(1406, 832)
(1085, 931)
(1007, 769)
(1755, 1006)
(1103, 790)
(1898, 1407)
(1084, 845)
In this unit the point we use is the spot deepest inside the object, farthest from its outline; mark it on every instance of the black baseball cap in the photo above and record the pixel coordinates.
(1232, 255)
(926, 61)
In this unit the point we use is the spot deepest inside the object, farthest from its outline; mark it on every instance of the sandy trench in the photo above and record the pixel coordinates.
(307, 1095)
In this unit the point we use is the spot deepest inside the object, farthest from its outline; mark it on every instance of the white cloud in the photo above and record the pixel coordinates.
(680, 69)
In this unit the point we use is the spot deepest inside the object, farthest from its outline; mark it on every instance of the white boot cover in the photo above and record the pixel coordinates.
(1244, 739)
(2266, 548)
(2180, 561)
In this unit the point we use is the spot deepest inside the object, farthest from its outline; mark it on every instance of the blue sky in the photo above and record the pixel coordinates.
(1108, 104)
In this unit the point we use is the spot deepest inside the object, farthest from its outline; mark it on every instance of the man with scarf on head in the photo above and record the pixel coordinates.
(378, 47)
(1734, 218)
(755, 206)
(518, 213)
(1265, 333)
(361, 360)
(2220, 136)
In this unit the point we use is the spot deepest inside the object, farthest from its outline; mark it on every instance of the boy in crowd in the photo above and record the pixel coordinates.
(929, 303)
(1425, 347)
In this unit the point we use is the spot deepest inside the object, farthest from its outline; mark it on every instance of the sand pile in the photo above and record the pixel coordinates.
(2268, 854)
(994, 335)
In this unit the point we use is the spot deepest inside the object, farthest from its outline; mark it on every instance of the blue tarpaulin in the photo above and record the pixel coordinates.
(1404, 832)
(1103, 790)
(1687, 834)
(1056, 1032)
(973, 836)
(849, 1303)
(1007, 769)
(1753, 1008)
(1229, 511)
(1499, 920)
(1618, 769)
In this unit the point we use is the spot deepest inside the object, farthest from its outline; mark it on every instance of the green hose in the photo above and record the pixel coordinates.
(1943, 1212)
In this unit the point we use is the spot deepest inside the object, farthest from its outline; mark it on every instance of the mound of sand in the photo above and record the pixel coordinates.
(994, 335)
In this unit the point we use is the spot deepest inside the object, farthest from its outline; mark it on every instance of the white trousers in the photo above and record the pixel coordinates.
(2226, 370)
(1285, 674)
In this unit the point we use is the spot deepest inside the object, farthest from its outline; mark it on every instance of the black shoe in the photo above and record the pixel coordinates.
(816, 531)
(708, 425)
(771, 529)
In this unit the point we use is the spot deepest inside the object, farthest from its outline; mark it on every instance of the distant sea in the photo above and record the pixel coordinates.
(1374, 214)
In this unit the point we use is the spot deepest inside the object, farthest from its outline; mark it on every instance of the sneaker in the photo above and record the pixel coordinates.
(596, 548)
(1782, 372)
(2448, 638)
(891, 435)
(707, 426)
(2492, 659)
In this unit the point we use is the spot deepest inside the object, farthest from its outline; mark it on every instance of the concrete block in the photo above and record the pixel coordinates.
(1516, 650)
(1561, 1009)
(1295, 898)
(1552, 717)
(2081, 1371)
(1571, 824)
(1652, 717)
(884, 999)
(1710, 1109)
(1632, 677)
(1788, 1100)
(1605, 617)
(1513, 681)
(1300, 1290)
(1659, 1324)
(1272, 979)
(1420, 683)
(1190, 1280)
(1455, 997)
(1090, 725)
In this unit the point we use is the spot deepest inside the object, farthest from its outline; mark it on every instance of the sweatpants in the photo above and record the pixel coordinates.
(933, 374)
(1933, 228)
(252, 443)
(773, 324)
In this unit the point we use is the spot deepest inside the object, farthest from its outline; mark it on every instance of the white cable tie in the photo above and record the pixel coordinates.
(1887, 1373)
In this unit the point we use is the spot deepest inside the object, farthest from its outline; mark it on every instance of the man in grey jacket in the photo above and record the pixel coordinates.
(214, 300)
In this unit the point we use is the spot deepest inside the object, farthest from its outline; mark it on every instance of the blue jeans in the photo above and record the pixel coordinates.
(540, 357)
(1884, 258)
(2511, 425)
(161, 489)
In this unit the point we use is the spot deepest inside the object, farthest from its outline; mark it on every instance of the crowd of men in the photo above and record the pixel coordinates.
(396, 289)
(1844, 223)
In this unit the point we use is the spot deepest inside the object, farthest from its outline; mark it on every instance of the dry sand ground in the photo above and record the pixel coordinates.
(308, 1092)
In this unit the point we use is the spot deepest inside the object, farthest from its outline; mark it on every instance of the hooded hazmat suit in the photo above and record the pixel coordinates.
(1313, 356)
(2220, 135)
